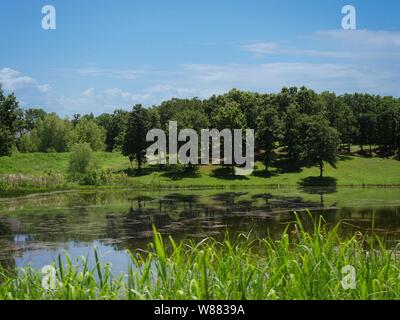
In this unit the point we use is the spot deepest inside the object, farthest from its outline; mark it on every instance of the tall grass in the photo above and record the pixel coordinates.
(300, 265)
(16, 184)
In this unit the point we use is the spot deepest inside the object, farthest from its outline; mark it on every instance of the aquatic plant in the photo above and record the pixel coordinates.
(300, 265)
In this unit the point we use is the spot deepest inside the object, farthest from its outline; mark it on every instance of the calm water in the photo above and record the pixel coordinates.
(34, 230)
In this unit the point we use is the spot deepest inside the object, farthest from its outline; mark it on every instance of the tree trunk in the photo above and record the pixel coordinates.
(321, 169)
(266, 167)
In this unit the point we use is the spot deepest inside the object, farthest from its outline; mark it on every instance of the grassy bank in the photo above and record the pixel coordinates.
(351, 171)
(300, 265)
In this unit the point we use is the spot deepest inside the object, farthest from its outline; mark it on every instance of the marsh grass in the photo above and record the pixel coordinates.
(300, 265)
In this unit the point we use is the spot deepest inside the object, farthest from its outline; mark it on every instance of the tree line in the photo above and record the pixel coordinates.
(306, 127)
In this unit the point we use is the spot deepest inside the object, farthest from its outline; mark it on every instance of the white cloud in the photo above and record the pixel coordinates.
(376, 38)
(342, 44)
(267, 48)
(273, 76)
(12, 80)
(126, 74)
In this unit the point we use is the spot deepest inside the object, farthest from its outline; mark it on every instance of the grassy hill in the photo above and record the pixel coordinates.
(350, 171)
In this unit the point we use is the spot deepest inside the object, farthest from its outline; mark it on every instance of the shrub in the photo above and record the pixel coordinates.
(82, 165)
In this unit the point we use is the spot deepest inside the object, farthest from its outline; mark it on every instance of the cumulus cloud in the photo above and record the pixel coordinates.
(12, 80)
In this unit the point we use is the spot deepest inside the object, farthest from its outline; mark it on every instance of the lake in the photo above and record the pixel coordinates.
(34, 230)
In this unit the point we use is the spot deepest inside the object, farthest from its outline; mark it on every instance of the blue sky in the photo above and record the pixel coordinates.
(114, 54)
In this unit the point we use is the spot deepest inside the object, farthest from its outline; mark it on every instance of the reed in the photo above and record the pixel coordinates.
(300, 265)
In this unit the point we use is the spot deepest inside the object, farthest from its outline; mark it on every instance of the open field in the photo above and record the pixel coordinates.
(350, 171)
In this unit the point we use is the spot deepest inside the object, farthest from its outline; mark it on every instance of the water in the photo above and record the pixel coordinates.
(35, 230)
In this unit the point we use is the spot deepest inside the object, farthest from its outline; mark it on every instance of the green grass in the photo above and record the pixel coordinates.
(40, 163)
(300, 265)
(351, 171)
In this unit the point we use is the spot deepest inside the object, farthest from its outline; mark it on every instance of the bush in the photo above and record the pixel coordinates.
(87, 131)
(82, 165)
(26, 144)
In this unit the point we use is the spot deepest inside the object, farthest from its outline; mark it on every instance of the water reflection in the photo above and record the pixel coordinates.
(34, 230)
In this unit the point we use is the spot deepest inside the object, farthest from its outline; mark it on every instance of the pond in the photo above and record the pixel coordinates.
(35, 230)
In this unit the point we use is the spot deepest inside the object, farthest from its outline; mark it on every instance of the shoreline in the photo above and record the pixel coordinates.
(34, 193)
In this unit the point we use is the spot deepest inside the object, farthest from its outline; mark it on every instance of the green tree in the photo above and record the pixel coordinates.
(367, 130)
(247, 102)
(292, 120)
(135, 144)
(115, 126)
(87, 131)
(9, 114)
(340, 117)
(32, 116)
(308, 101)
(320, 143)
(230, 117)
(6, 141)
(51, 134)
(269, 133)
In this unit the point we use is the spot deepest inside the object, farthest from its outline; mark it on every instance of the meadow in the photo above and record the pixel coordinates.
(22, 172)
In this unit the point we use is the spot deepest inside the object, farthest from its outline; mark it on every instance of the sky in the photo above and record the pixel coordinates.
(105, 55)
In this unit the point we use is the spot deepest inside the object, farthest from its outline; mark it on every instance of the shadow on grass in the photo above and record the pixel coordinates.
(344, 157)
(264, 174)
(318, 182)
(134, 172)
(285, 165)
(178, 173)
(225, 173)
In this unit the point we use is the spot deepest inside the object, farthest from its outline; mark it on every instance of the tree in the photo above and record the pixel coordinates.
(308, 101)
(51, 134)
(387, 123)
(340, 117)
(269, 128)
(320, 143)
(292, 121)
(32, 116)
(6, 141)
(247, 102)
(87, 131)
(115, 126)
(135, 144)
(230, 117)
(9, 113)
(367, 130)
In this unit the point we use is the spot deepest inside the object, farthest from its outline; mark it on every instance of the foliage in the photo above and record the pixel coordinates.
(300, 265)
(82, 167)
(269, 133)
(51, 134)
(9, 112)
(135, 143)
(87, 131)
(115, 126)
(320, 143)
